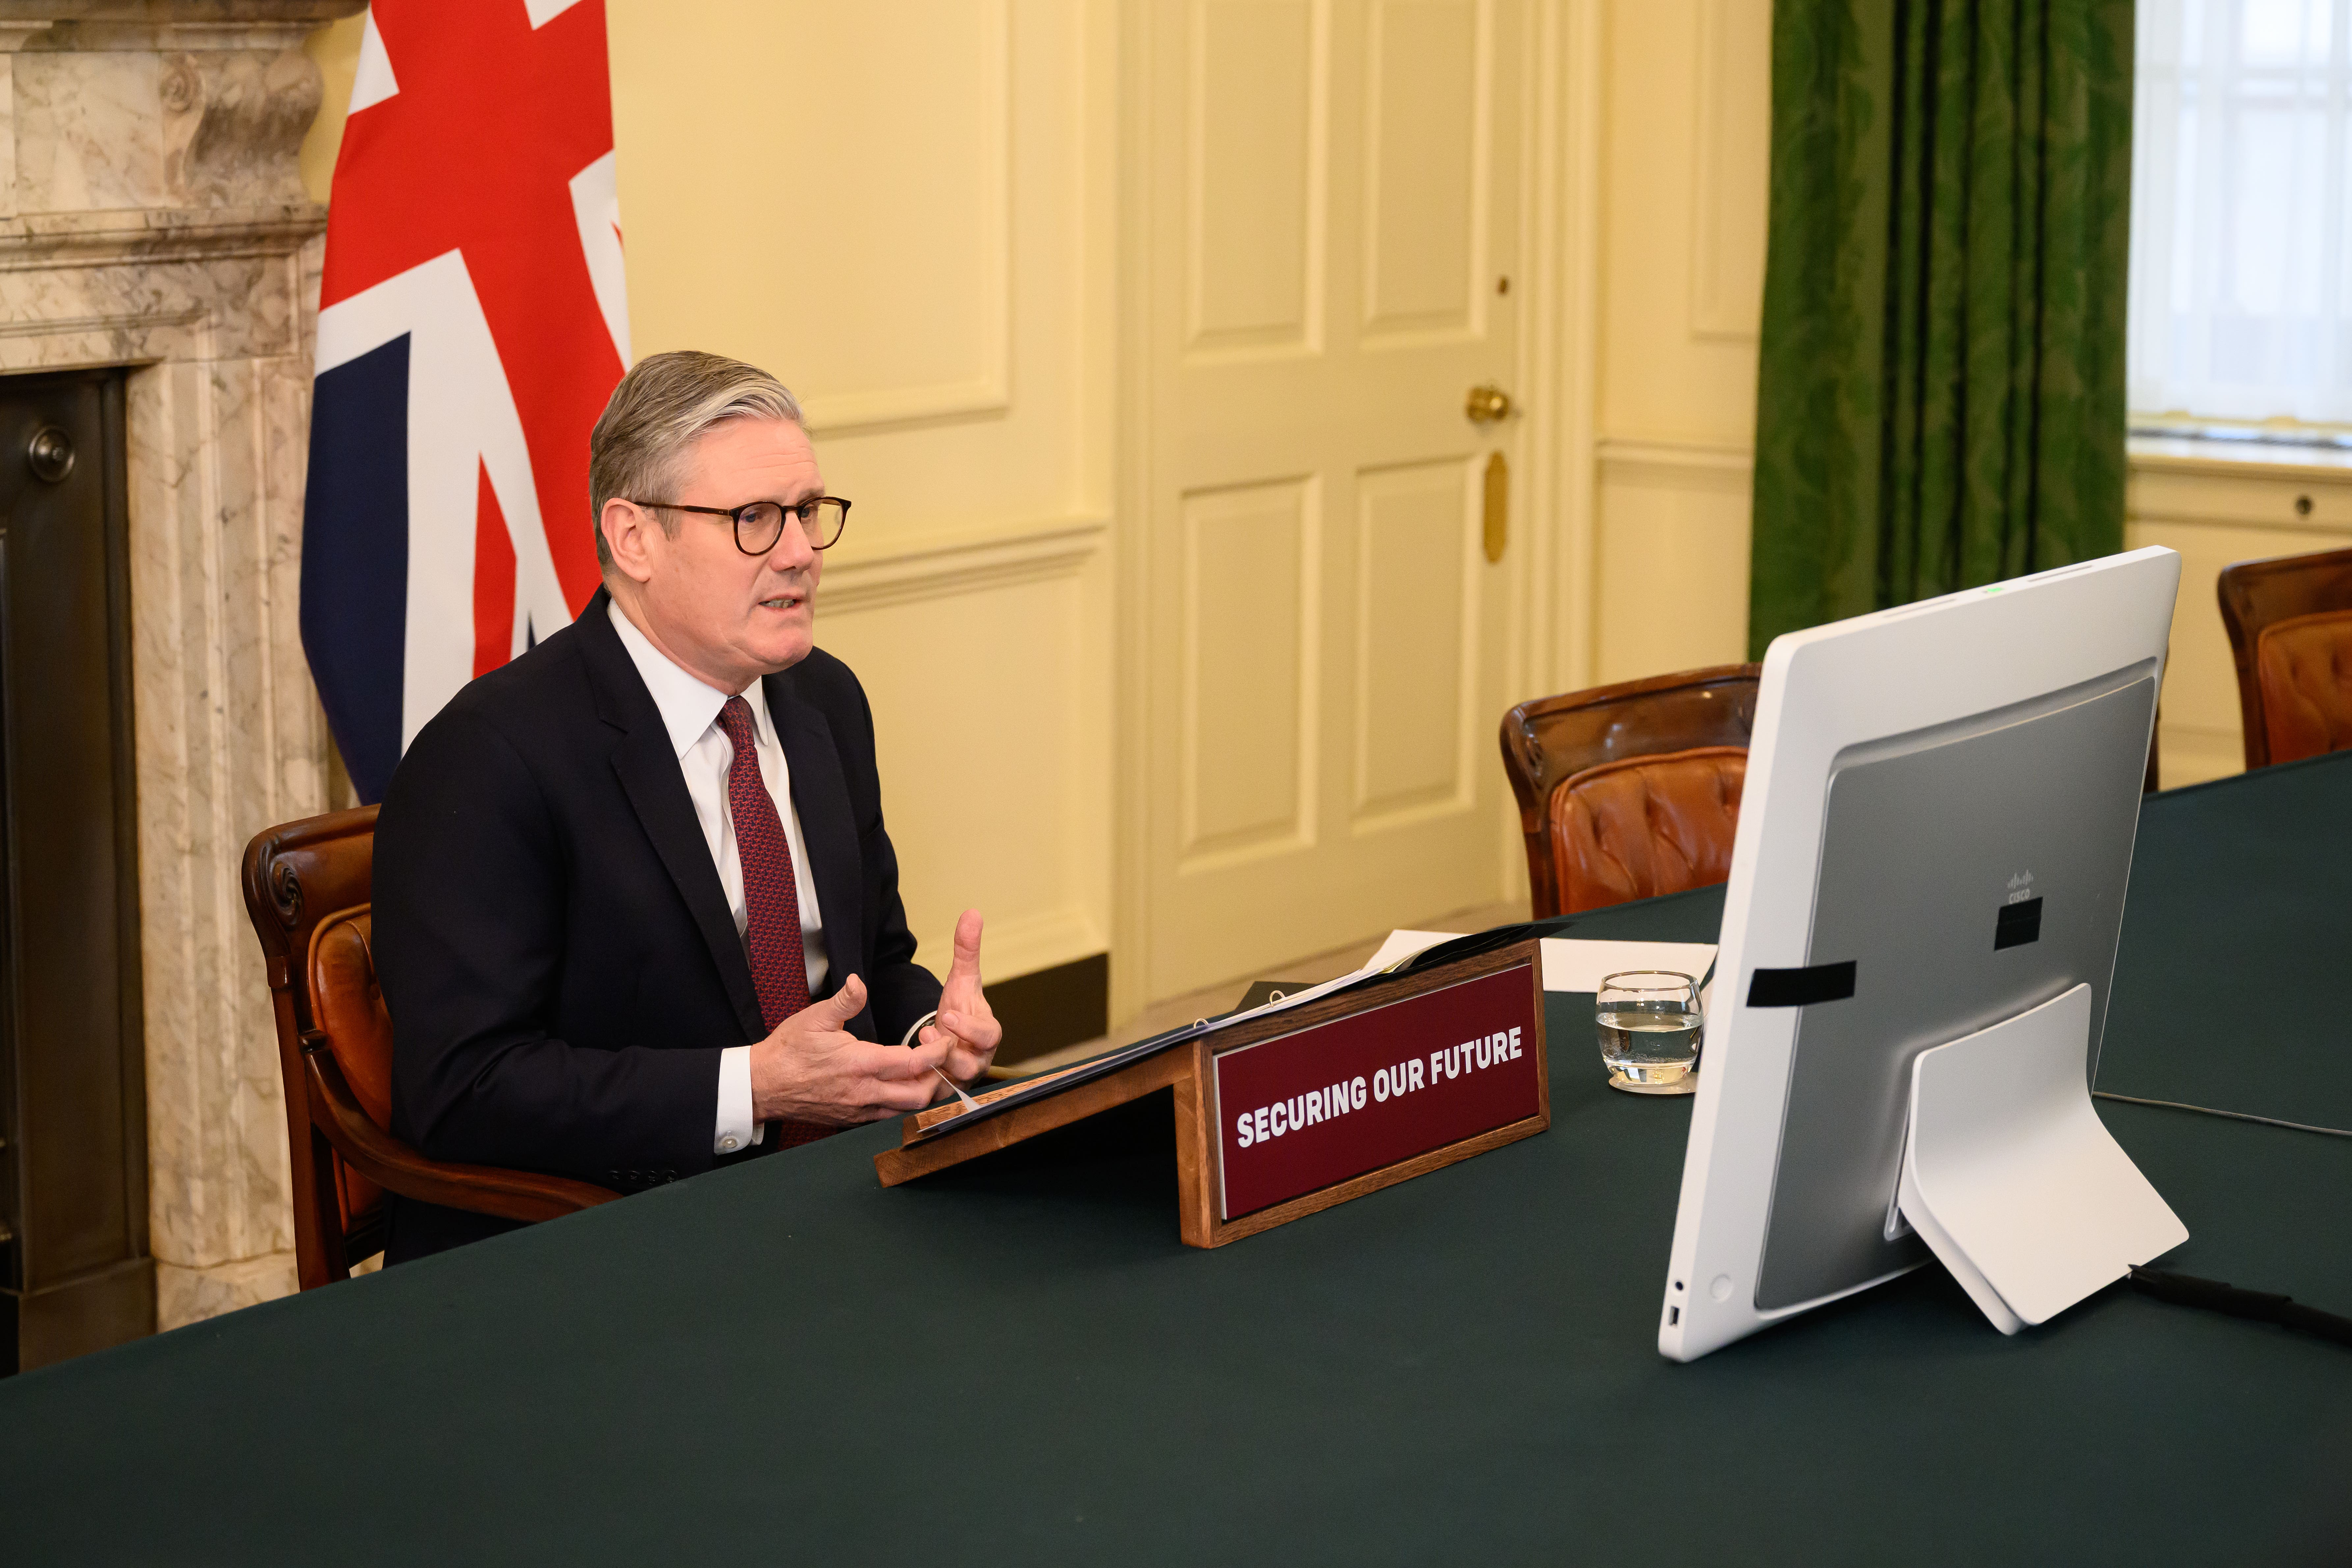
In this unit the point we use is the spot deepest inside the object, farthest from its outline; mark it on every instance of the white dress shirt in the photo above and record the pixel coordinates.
(689, 711)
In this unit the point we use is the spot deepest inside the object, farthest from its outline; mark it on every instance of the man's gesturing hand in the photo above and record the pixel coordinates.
(812, 1070)
(966, 1026)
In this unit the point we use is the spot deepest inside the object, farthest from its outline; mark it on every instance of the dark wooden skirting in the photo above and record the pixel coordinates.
(1050, 1009)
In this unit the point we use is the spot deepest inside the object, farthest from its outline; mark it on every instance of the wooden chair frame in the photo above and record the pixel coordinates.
(299, 877)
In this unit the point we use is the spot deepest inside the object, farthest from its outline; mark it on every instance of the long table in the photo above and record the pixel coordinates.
(1018, 1362)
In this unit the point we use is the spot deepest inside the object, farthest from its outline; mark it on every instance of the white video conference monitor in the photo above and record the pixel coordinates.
(1918, 936)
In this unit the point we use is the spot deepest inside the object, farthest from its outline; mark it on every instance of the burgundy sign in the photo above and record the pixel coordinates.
(1304, 1110)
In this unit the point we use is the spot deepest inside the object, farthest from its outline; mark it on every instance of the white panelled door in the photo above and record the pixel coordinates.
(1335, 209)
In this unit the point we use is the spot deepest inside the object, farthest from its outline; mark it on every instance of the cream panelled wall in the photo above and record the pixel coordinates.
(857, 198)
(917, 227)
(912, 212)
(1685, 132)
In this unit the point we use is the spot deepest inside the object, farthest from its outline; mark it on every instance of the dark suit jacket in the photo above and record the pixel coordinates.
(551, 936)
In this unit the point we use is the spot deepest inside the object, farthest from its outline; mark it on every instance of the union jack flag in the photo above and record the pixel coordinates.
(472, 318)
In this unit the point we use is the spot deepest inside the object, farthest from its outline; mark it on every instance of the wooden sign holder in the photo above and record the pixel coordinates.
(1188, 1069)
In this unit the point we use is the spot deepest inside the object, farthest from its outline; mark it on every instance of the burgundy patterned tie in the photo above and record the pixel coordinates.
(772, 902)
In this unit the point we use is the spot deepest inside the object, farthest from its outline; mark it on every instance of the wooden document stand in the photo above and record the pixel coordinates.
(1289, 1113)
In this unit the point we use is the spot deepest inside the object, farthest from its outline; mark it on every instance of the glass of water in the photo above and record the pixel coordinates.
(1649, 1025)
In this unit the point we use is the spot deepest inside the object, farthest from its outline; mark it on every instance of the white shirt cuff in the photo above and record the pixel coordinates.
(736, 1131)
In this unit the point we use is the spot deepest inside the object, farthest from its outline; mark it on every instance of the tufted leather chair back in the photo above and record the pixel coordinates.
(348, 1005)
(1628, 832)
(1646, 826)
(2290, 624)
(2303, 669)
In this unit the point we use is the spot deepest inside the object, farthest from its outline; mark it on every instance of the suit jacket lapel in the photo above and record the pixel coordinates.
(828, 827)
(650, 776)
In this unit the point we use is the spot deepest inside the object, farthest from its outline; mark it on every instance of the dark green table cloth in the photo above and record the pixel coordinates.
(1018, 1362)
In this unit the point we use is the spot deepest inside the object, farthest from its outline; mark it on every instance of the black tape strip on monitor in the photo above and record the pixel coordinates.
(1801, 987)
(2017, 924)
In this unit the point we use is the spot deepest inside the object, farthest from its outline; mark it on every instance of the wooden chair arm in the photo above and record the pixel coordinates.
(396, 1167)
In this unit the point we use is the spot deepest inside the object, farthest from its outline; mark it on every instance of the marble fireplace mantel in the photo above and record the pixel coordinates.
(152, 216)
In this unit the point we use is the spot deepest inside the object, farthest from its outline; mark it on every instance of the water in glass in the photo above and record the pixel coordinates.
(1649, 1025)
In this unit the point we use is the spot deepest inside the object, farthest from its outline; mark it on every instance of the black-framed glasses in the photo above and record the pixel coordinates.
(759, 523)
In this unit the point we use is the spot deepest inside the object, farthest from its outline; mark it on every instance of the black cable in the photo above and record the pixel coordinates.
(2232, 1115)
(2215, 1296)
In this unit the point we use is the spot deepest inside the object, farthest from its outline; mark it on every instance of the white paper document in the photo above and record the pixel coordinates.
(1573, 965)
(1570, 963)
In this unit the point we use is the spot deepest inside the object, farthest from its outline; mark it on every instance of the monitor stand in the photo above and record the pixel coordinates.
(2011, 1179)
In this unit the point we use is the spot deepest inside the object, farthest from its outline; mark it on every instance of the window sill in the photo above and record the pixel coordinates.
(2237, 460)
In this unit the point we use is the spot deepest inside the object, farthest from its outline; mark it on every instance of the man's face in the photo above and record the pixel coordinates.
(728, 617)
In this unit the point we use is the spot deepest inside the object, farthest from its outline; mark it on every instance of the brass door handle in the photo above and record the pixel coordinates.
(1486, 404)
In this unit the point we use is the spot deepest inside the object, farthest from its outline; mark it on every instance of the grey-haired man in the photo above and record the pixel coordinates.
(636, 911)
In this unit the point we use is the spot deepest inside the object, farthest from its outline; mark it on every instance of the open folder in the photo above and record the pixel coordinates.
(1569, 966)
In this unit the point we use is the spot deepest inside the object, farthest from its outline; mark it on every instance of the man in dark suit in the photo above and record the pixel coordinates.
(636, 911)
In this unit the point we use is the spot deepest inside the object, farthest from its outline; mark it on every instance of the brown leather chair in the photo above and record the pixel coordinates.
(1630, 791)
(2290, 623)
(307, 888)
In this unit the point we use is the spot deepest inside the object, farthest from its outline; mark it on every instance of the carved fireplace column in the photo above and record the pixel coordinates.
(152, 217)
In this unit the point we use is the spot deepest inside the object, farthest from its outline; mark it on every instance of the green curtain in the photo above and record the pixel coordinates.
(1940, 401)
